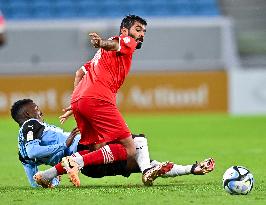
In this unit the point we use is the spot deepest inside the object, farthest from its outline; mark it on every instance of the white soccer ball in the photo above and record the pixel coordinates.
(238, 180)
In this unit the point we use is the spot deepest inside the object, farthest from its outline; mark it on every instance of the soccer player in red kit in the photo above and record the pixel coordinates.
(93, 103)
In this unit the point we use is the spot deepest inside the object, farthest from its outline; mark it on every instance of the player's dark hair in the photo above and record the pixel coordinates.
(17, 108)
(129, 21)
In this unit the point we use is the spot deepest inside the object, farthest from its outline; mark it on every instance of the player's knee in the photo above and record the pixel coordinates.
(131, 152)
(130, 147)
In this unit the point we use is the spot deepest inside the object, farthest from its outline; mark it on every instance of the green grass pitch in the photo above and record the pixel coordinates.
(182, 139)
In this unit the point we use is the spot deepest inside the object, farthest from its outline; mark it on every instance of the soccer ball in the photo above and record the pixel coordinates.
(238, 180)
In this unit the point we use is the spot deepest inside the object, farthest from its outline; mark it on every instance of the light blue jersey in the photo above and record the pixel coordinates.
(41, 143)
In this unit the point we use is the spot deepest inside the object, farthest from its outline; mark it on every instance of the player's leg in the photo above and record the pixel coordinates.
(106, 121)
(129, 145)
(138, 165)
(149, 172)
(101, 116)
(110, 123)
(142, 152)
(125, 168)
(200, 168)
(177, 170)
(88, 136)
(141, 161)
(44, 178)
(119, 132)
(120, 168)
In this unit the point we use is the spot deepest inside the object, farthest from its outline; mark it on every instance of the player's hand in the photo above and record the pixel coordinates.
(95, 40)
(72, 136)
(68, 112)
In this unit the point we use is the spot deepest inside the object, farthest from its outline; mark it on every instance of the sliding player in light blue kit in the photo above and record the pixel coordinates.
(40, 143)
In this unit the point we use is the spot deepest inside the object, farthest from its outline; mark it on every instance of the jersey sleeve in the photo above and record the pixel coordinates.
(86, 67)
(32, 130)
(127, 45)
(35, 150)
(30, 170)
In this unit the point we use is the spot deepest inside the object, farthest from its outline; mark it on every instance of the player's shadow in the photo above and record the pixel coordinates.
(109, 188)
(5, 189)
(127, 186)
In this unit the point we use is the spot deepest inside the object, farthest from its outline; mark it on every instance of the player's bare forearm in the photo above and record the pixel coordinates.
(98, 42)
(67, 113)
(79, 75)
(109, 45)
(72, 136)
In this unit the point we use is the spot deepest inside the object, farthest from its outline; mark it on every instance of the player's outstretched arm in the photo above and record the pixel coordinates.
(35, 150)
(68, 112)
(72, 136)
(30, 170)
(98, 42)
(79, 75)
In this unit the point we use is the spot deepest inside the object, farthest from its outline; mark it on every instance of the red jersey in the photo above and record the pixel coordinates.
(106, 72)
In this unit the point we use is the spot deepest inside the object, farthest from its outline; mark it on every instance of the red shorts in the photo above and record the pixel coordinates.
(99, 121)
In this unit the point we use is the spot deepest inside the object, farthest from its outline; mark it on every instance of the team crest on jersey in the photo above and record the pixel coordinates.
(29, 136)
(126, 39)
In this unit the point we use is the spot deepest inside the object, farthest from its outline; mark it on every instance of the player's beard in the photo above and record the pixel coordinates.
(139, 41)
(139, 45)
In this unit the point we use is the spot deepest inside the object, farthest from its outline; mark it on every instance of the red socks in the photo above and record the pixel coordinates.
(60, 170)
(82, 152)
(107, 154)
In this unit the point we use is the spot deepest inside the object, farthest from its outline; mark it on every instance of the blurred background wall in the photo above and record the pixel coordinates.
(198, 55)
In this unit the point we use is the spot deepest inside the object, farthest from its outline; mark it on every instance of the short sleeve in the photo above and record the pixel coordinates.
(32, 130)
(127, 45)
(86, 67)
